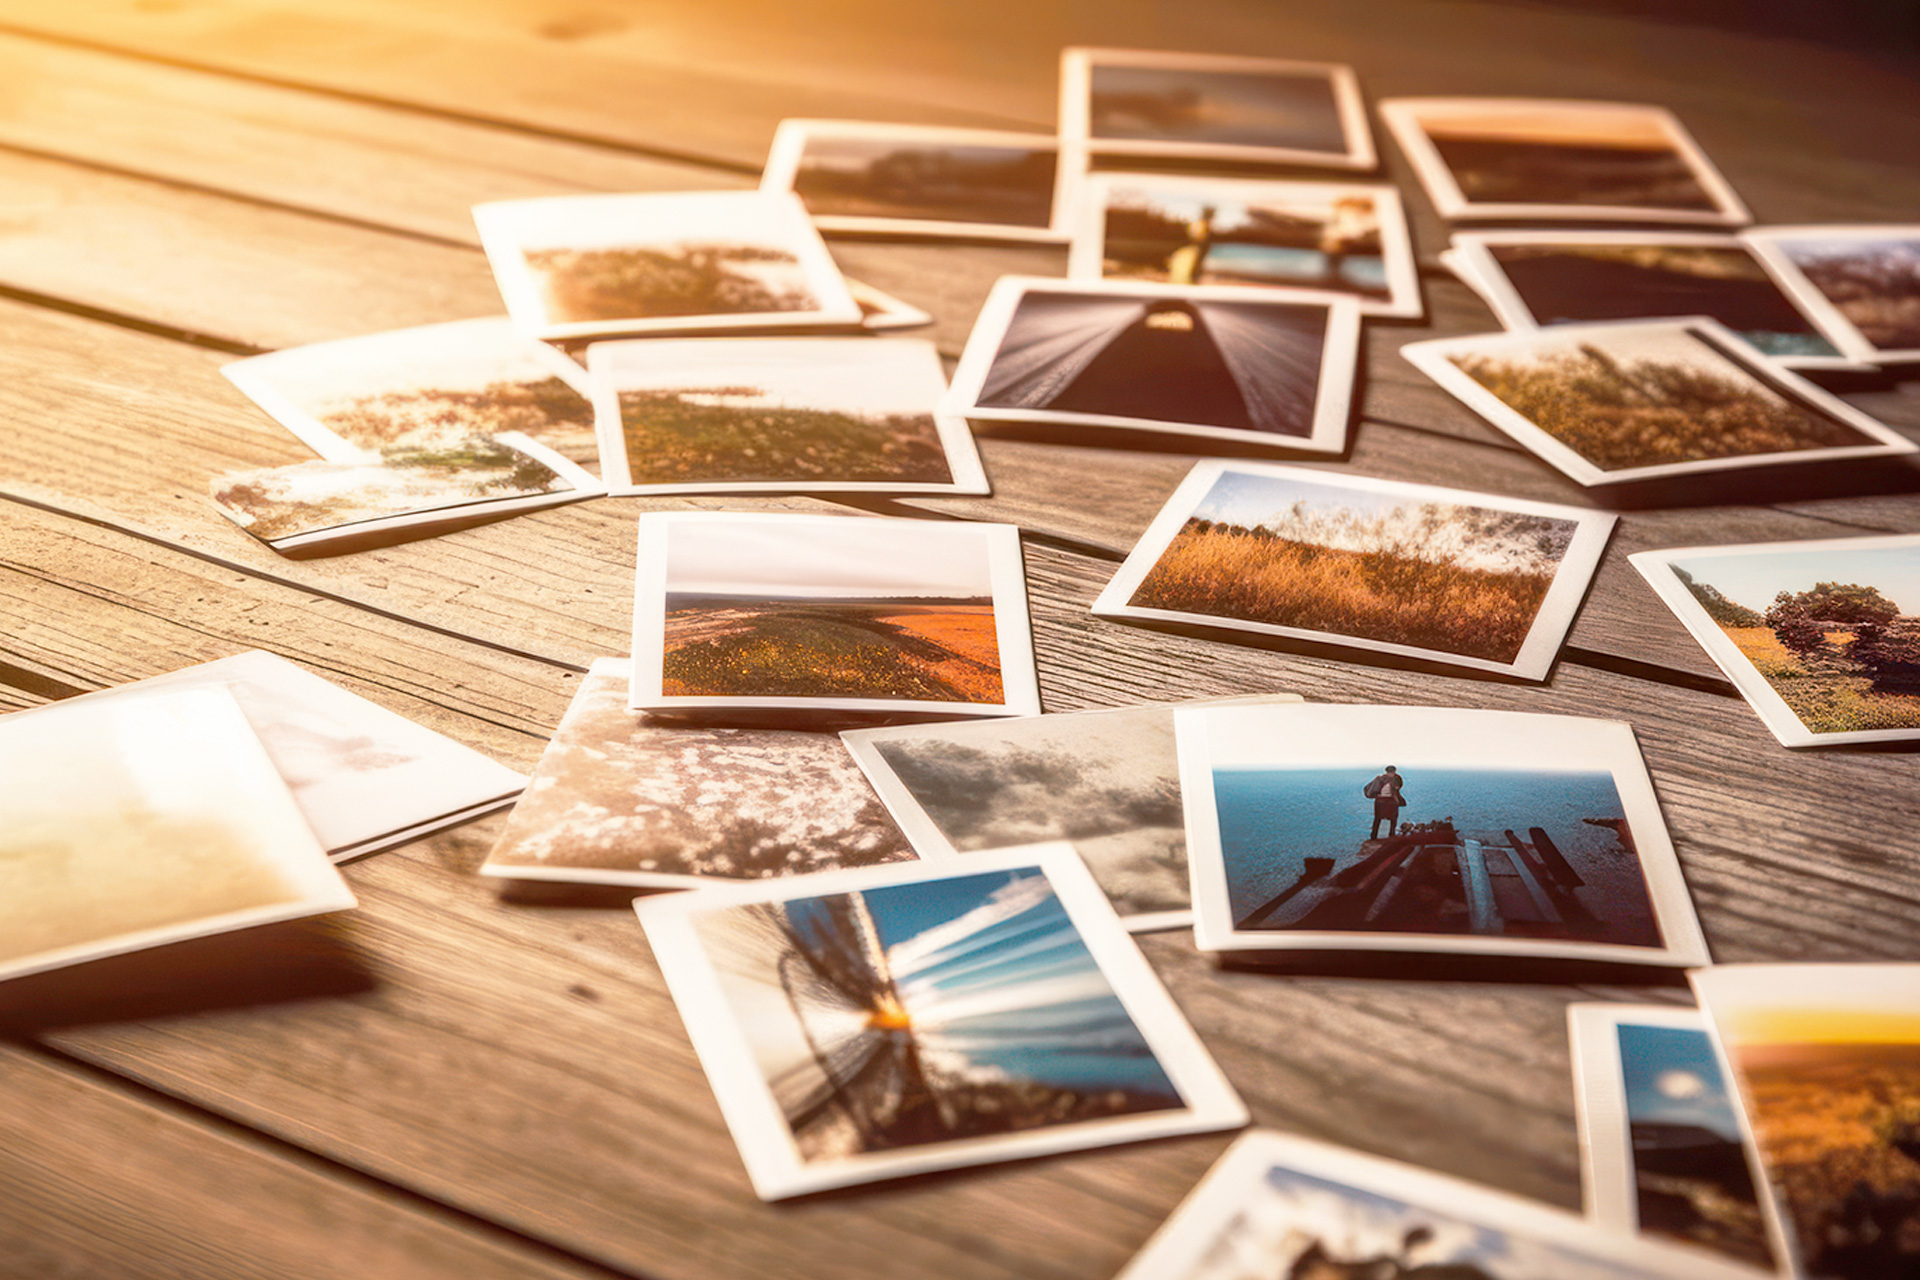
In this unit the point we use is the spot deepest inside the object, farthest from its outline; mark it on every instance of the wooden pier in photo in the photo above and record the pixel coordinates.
(453, 1082)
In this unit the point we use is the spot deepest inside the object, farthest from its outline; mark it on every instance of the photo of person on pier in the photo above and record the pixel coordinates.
(1384, 791)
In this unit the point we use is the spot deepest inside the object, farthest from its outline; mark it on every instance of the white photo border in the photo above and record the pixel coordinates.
(1434, 358)
(1087, 250)
(760, 1131)
(1000, 543)
(1591, 743)
(1402, 116)
(1333, 395)
(1658, 568)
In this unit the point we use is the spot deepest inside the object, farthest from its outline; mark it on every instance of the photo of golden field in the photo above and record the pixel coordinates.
(1385, 567)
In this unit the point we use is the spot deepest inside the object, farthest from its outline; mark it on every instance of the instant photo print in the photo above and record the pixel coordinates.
(604, 265)
(1336, 239)
(1428, 829)
(1280, 1205)
(1441, 575)
(1661, 1150)
(1545, 159)
(747, 415)
(880, 1023)
(1862, 283)
(1140, 102)
(1539, 279)
(1822, 638)
(620, 799)
(141, 820)
(760, 612)
(1641, 400)
(1209, 362)
(919, 180)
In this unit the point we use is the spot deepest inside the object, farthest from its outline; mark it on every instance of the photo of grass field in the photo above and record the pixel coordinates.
(687, 278)
(1834, 632)
(1565, 154)
(1635, 397)
(1381, 566)
(1875, 283)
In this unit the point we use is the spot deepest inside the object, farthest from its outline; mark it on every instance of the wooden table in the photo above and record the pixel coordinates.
(447, 1082)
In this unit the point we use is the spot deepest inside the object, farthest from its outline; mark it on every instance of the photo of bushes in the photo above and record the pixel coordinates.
(1648, 398)
(687, 278)
(1874, 283)
(1830, 632)
(1349, 562)
(883, 177)
(743, 433)
(426, 418)
(1321, 240)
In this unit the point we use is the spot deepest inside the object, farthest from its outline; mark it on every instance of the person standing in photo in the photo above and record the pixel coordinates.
(1384, 791)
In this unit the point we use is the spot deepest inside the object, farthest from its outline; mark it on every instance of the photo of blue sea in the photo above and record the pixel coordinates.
(1273, 820)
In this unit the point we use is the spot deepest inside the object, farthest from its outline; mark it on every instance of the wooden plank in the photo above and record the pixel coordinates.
(102, 1182)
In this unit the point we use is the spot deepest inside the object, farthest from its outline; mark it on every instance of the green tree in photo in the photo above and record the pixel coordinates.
(1802, 619)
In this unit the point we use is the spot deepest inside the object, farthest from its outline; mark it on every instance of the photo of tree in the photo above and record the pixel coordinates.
(1835, 632)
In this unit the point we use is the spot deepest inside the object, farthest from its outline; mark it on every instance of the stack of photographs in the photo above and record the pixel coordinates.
(1826, 1062)
(1409, 570)
(145, 819)
(1506, 834)
(867, 1024)
(1278, 1205)
(1642, 400)
(618, 799)
(1208, 362)
(1660, 1142)
(1106, 782)
(824, 415)
(1822, 638)
(830, 615)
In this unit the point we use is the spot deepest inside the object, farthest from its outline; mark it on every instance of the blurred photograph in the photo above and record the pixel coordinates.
(861, 1025)
(920, 180)
(1211, 106)
(1661, 1149)
(1188, 361)
(1544, 158)
(844, 613)
(819, 415)
(1539, 279)
(1106, 782)
(602, 265)
(1339, 239)
(1428, 829)
(1462, 578)
(619, 799)
(1638, 400)
(1826, 1059)
(1276, 1205)
(1822, 637)
(1864, 279)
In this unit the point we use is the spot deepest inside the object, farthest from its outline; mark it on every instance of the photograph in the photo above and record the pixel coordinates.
(1822, 638)
(1826, 1062)
(1467, 579)
(1661, 1151)
(1862, 281)
(422, 390)
(365, 778)
(1497, 833)
(1637, 400)
(1180, 359)
(141, 820)
(1337, 239)
(890, 1021)
(748, 415)
(620, 799)
(861, 614)
(1141, 102)
(1524, 158)
(1106, 782)
(425, 490)
(919, 180)
(599, 265)
(1281, 1207)
(1538, 279)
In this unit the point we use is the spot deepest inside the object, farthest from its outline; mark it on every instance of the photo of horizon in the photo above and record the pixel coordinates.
(935, 179)
(1289, 110)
